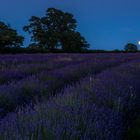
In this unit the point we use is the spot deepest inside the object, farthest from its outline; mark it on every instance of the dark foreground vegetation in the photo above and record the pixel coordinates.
(69, 96)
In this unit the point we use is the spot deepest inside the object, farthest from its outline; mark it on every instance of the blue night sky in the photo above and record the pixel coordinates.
(106, 24)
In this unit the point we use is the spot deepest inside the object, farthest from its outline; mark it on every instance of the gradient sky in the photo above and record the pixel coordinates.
(106, 24)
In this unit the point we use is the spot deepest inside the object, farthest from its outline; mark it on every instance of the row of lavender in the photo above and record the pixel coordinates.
(17, 60)
(45, 83)
(17, 67)
(99, 107)
(21, 66)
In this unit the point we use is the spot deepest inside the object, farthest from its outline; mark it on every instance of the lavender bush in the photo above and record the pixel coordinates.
(47, 82)
(98, 107)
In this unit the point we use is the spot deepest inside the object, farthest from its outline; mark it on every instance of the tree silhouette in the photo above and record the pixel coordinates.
(55, 28)
(73, 42)
(9, 37)
(130, 47)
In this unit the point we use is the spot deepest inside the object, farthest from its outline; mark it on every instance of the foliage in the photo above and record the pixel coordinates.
(134, 131)
(130, 47)
(9, 37)
(73, 42)
(55, 29)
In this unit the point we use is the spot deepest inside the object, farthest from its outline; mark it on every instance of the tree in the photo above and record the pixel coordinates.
(33, 46)
(73, 42)
(131, 47)
(9, 37)
(49, 31)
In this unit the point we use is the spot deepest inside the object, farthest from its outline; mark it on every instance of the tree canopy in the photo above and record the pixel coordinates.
(9, 36)
(73, 42)
(130, 47)
(54, 29)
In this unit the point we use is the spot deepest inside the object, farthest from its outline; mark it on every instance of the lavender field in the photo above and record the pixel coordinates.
(70, 96)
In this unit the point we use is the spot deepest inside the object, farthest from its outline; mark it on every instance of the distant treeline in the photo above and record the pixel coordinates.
(42, 50)
(55, 32)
